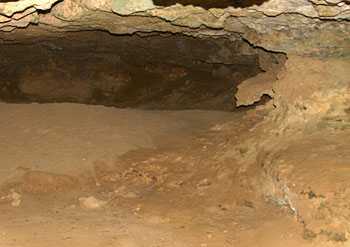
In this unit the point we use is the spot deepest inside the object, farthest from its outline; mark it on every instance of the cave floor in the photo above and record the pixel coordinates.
(79, 175)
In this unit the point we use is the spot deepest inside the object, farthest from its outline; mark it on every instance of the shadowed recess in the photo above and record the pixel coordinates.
(208, 4)
(159, 71)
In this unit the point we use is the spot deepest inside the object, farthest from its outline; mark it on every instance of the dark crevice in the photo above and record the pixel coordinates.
(47, 11)
(8, 1)
(263, 100)
(208, 4)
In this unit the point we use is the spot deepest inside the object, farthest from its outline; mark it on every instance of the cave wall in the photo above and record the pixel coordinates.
(307, 28)
(298, 149)
(311, 88)
(151, 71)
(302, 27)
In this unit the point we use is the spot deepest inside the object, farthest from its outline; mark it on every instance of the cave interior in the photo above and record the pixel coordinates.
(174, 123)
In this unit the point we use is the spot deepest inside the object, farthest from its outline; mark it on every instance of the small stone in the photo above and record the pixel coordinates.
(138, 208)
(15, 196)
(204, 183)
(16, 203)
(91, 202)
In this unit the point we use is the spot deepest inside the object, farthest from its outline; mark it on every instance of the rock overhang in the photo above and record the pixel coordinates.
(308, 27)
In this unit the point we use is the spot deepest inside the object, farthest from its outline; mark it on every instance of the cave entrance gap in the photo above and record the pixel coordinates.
(154, 71)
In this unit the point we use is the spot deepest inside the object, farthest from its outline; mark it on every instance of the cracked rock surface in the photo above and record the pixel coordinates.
(303, 27)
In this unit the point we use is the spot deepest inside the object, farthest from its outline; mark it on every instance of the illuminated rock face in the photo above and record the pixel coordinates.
(300, 27)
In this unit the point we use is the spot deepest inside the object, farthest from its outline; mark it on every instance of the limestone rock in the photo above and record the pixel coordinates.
(251, 90)
(291, 26)
(91, 202)
(9, 8)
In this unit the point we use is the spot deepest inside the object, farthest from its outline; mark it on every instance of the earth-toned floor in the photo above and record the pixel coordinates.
(78, 175)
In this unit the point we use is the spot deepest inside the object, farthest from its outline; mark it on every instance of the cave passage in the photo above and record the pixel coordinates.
(153, 71)
(208, 4)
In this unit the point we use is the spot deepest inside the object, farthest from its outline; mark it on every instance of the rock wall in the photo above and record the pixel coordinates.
(310, 90)
(297, 156)
(304, 27)
(155, 71)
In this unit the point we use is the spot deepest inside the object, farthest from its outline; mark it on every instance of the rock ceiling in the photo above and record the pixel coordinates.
(303, 27)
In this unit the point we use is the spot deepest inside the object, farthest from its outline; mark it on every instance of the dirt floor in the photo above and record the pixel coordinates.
(78, 175)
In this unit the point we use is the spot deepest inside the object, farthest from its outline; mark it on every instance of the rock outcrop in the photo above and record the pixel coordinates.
(303, 27)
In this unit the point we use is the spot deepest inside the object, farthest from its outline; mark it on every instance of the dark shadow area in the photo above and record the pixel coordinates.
(159, 71)
(208, 4)
(46, 11)
(263, 100)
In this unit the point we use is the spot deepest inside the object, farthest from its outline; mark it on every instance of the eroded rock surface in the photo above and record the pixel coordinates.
(290, 26)
(300, 148)
(145, 71)
(188, 55)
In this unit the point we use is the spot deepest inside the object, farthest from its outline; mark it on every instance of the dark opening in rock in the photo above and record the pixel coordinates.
(153, 71)
(211, 3)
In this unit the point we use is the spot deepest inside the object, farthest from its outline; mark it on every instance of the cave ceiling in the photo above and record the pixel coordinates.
(302, 27)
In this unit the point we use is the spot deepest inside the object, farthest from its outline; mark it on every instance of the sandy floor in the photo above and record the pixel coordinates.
(78, 175)
(69, 138)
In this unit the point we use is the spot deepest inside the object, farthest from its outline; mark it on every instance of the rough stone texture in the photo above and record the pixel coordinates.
(251, 90)
(300, 27)
(154, 71)
(309, 95)
(300, 147)
(7, 9)
(254, 88)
